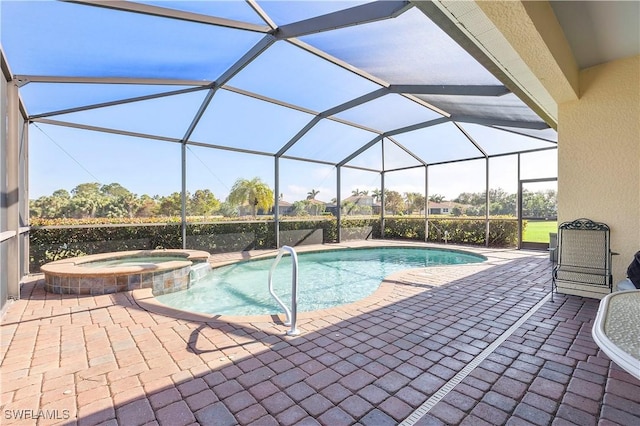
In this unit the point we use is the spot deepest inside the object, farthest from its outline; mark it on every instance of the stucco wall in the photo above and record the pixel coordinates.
(599, 155)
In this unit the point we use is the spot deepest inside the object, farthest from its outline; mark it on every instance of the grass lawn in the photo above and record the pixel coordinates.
(538, 232)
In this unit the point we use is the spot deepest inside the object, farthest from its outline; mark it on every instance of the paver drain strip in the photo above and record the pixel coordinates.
(448, 387)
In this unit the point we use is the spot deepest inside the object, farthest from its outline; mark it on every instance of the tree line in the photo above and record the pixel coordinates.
(252, 196)
(538, 204)
(91, 200)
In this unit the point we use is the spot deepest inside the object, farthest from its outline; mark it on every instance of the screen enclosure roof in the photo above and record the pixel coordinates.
(322, 81)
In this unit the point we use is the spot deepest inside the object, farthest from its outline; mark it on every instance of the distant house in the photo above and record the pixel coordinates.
(287, 209)
(316, 207)
(445, 207)
(284, 208)
(331, 208)
(361, 201)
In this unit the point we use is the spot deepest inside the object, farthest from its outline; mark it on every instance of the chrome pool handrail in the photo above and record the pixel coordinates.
(291, 314)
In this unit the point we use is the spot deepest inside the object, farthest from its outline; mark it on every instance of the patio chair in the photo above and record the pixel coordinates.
(584, 259)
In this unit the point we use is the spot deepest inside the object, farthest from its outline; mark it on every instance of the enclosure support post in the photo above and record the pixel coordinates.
(518, 206)
(382, 205)
(486, 186)
(338, 208)
(426, 203)
(382, 197)
(24, 213)
(486, 219)
(12, 198)
(183, 197)
(276, 210)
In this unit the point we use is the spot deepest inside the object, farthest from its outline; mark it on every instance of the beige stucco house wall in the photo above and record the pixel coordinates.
(595, 110)
(599, 155)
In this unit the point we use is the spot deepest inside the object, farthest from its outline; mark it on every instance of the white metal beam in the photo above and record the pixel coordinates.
(417, 126)
(345, 65)
(525, 134)
(26, 79)
(307, 160)
(263, 15)
(472, 140)
(246, 59)
(362, 14)
(537, 125)
(400, 169)
(407, 150)
(104, 130)
(355, 102)
(456, 90)
(299, 135)
(145, 9)
(114, 103)
(267, 99)
(234, 69)
(360, 150)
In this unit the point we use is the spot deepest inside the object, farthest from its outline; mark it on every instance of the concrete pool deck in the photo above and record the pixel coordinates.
(466, 344)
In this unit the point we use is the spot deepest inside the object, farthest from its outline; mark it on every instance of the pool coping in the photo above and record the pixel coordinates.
(72, 276)
(74, 267)
(146, 300)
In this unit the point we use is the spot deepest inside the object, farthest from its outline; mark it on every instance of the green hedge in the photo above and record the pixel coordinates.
(503, 232)
(53, 243)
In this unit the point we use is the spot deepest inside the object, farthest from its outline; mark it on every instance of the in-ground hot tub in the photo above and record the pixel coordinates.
(164, 271)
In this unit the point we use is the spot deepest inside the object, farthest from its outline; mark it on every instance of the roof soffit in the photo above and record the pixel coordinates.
(504, 37)
(600, 31)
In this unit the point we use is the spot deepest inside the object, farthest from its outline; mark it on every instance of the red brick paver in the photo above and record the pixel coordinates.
(109, 359)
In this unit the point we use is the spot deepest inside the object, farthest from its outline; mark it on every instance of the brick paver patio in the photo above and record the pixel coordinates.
(431, 340)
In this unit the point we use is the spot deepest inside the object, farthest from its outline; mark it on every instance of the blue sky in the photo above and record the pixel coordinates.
(61, 158)
(65, 39)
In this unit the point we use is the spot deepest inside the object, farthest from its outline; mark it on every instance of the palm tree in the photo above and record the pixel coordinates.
(415, 201)
(355, 192)
(253, 192)
(311, 195)
(394, 202)
(376, 194)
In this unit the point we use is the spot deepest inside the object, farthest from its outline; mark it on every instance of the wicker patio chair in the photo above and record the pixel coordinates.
(584, 259)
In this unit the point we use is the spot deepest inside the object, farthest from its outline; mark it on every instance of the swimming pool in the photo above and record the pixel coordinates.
(325, 279)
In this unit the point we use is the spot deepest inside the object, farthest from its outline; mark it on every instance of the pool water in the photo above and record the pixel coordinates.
(132, 261)
(325, 279)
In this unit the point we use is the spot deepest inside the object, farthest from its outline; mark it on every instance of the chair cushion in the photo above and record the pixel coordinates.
(578, 274)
